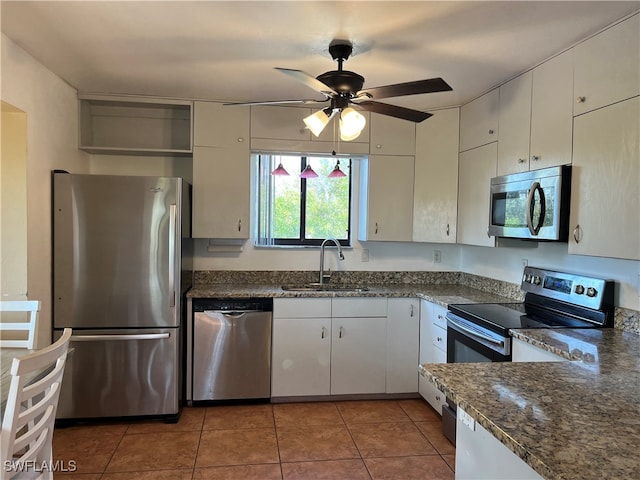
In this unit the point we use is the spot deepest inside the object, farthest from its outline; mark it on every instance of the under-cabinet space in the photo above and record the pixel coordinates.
(119, 125)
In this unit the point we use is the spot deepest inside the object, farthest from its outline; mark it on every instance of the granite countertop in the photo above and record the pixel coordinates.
(442, 294)
(567, 420)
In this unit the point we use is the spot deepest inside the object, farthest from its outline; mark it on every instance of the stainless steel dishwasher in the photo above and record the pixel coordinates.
(231, 349)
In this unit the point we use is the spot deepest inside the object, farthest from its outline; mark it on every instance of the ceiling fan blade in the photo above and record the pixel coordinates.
(274, 102)
(393, 111)
(430, 85)
(308, 80)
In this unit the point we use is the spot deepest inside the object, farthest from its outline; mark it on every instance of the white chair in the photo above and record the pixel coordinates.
(27, 425)
(31, 307)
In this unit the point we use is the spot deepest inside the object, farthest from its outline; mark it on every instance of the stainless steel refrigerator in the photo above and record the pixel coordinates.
(121, 268)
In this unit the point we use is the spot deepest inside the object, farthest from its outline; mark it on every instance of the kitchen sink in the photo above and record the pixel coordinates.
(316, 287)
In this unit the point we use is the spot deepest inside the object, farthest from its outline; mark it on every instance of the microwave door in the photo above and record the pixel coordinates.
(509, 207)
(545, 209)
(535, 210)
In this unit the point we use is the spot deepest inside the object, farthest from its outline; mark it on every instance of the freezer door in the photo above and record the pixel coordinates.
(120, 373)
(116, 251)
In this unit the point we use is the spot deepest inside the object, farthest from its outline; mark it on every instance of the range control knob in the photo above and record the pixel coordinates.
(536, 280)
(527, 277)
(591, 292)
(579, 289)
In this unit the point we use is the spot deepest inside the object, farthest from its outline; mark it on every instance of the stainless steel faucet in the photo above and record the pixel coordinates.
(322, 247)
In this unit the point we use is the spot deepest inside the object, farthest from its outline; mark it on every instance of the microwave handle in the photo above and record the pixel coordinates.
(530, 204)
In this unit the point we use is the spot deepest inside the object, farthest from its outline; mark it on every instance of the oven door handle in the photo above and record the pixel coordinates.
(475, 333)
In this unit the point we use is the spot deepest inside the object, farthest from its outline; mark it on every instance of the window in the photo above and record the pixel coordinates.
(299, 211)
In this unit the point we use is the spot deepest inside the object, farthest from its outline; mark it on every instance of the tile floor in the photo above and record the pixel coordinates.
(383, 439)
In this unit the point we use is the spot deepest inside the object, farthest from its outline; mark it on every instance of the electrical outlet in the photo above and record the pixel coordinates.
(365, 255)
(437, 256)
(467, 419)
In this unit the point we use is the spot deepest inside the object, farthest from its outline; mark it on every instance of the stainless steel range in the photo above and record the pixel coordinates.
(480, 332)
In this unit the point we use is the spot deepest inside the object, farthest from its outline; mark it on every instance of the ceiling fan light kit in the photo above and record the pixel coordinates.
(351, 124)
(317, 121)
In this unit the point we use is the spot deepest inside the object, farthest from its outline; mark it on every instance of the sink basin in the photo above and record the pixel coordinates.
(316, 287)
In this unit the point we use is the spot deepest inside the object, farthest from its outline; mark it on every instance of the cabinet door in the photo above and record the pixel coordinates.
(432, 395)
(552, 113)
(515, 125)
(605, 198)
(301, 357)
(391, 136)
(281, 123)
(358, 355)
(476, 168)
(435, 188)
(216, 125)
(607, 67)
(386, 199)
(479, 121)
(221, 192)
(403, 325)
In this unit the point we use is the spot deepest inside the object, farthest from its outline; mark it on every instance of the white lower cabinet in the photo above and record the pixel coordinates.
(481, 456)
(301, 347)
(358, 355)
(522, 351)
(403, 325)
(433, 349)
(342, 346)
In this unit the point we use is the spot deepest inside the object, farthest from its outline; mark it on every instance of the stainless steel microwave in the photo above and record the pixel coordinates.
(531, 205)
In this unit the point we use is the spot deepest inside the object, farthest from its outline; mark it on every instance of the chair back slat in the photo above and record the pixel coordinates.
(31, 307)
(27, 425)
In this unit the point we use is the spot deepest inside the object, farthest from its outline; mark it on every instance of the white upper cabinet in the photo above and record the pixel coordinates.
(282, 129)
(386, 198)
(607, 67)
(435, 190)
(476, 169)
(479, 121)
(552, 113)
(221, 171)
(221, 193)
(283, 123)
(536, 117)
(515, 125)
(391, 136)
(216, 125)
(605, 198)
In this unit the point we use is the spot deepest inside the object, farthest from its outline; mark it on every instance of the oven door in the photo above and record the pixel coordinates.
(467, 342)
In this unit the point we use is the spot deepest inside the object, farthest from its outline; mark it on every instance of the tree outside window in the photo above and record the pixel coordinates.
(299, 211)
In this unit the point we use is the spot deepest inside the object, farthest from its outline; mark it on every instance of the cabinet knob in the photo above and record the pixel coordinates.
(340, 332)
(535, 158)
(240, 139)
(521, 160)
(239, 224)
(447, 229)
(491, 131)
(439, 339)
(376, 228)
(378, 146)
(581, 99)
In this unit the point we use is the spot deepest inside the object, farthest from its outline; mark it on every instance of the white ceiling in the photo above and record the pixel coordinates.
(227, 50)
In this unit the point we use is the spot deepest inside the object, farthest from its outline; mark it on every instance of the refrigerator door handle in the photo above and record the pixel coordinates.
(100, 338)
(172, 255)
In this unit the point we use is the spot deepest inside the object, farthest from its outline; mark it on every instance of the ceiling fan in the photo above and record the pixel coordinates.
(344, 89)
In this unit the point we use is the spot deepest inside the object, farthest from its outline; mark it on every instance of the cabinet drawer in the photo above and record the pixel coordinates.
(359, 307)
(440, 316)
(439, 355)
(302, 308)
(440, 338)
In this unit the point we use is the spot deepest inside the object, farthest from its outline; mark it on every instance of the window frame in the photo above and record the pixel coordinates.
(301, 241)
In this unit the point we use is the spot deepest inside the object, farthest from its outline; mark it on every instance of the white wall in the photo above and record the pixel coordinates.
(505, 264)
(51, 108)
